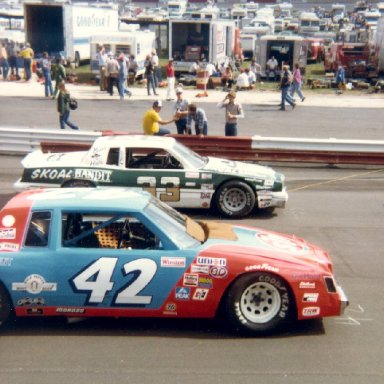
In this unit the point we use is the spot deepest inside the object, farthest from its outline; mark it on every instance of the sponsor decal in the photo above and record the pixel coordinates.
(51, 174)
(9, 247)
(307, 285)
(310, 297)
(205, 282)
(31, 301)
(192, 175)
(190, 184)
(205, 195)
(262, 267)
(305, 276)
(206, 176)
(8, 220)
(34, 284)
(218, 272)
(34, 311)
(191, 279)
(55, 157)
(207, 186)
(5, 261)
(7, 233)
(182, 293)
(311, 311)
(86, 174)
(211, 261)
(200, 269)
(281, 243)
(70, 310)
(170, 309)
(200, 294)
(173, 262)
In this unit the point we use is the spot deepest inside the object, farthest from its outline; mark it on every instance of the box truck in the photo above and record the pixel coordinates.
(64, 30)
(209, 40)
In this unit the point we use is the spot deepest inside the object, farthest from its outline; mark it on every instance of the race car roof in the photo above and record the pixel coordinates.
(126, 199)
(136, 141)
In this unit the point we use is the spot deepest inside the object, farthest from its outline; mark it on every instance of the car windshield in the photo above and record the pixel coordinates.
(172, 223)
(194, 159)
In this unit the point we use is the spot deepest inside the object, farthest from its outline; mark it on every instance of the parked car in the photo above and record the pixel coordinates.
(166, 168)
(120, 252)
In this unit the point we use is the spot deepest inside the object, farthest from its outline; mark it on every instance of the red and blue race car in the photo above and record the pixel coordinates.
(84, 252)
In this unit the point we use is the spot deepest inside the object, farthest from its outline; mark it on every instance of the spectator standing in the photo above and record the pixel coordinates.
(233, 112)
(101, 57)
(63, 100)
(340, 77)
(152, 119)
(284, 85)
(12, 59)
(181, 112)
(155, 63)
(27, 54)
(123, 75)
(198, 116)
(170, 70)
(113, 68)
(297, 83)
(132, 68)
(227, 77)
(256, 69)
(46, 67)
(4, 61)
(149, 75)
(59, 75)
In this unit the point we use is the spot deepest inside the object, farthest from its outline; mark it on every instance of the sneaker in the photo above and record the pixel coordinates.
(303, 99)
(293, 105)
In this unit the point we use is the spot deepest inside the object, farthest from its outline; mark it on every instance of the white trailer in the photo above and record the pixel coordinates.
(138, 43)
(378, 45)
(65, 29)
(287, 50)
(209, 40)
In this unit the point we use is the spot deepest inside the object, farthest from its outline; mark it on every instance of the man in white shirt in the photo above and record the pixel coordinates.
(272, 67)
(242, 81)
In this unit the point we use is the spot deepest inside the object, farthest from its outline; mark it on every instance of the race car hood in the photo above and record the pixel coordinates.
(251, 242)
(40, 159)
(241, 169)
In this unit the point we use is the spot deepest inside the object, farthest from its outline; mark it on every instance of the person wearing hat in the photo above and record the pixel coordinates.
(170, 71)
(123, 75)
(27, 54)
(181, 112)
(152, 120)
(233, 111)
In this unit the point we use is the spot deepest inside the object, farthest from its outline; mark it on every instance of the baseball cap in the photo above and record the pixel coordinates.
(232, 93)
(179, 90)
(157, 104)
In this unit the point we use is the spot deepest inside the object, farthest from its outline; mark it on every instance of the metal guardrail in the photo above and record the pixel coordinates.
(255, 148)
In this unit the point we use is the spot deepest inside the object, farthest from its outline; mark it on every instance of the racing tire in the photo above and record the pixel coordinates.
(258, 303)
(5, 306)
(235, 199)
(78, 184)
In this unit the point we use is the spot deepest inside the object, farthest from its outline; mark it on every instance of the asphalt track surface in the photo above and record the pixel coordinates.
(338, 208)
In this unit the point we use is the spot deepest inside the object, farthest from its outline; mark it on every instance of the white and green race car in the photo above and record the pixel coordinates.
(164, 167)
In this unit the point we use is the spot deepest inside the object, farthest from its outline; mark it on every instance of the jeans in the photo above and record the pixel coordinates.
(203, 131)
(150, 81)
(13, 65)
(48, 83)
(162, 132)
(112, 81)
(27, 69)
(122, 88)
(285, 97)
(296, 87)
(181, 126)
(230, 129)
(5, 68)
(64, 120)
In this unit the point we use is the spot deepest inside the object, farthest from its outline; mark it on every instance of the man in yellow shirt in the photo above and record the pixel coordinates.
(27, 54)
(152, 119)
